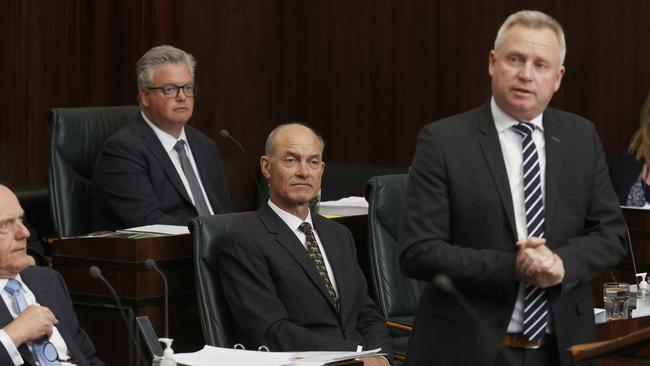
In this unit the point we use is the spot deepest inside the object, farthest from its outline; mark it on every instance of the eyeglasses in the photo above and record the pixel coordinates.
(171, 91)
(51, 355)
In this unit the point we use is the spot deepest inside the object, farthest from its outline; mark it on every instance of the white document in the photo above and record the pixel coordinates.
(317, 358)
(599, 314)
(217, 356)
(637, 313)
(161, 229)
(645, 207)
(348, 206)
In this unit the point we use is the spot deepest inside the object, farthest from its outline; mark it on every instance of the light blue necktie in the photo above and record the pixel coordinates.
(38, 346)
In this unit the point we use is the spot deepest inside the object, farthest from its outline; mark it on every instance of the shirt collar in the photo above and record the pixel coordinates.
(292, 221)
(503, 121)
(168, 141)
(3, 282)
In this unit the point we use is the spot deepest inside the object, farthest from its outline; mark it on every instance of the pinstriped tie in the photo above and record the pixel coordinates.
(315, 254)
(535, 304)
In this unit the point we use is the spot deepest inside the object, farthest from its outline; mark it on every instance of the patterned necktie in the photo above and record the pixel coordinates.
(195, 188)
(317, 257)
(535, 304)
(38, 346)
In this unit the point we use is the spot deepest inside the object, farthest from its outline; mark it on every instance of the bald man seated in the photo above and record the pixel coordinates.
(290, 276)
(36, 315)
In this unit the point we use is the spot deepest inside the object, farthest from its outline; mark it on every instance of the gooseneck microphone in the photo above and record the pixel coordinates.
(443, 282)
(226, 135)
(151, 265)
(96, 273)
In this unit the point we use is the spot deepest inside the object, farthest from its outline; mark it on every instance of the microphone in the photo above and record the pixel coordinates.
(151, 265)
(96, 273)
(443, 282)
(629, 246)
(226, 135)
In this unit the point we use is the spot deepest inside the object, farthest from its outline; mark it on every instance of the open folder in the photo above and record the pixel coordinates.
(210, 355)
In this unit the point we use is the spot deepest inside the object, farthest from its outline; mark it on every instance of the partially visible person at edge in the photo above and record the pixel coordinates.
(629, 169)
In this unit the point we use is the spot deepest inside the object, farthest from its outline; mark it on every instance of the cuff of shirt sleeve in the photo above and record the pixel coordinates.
(9, 345)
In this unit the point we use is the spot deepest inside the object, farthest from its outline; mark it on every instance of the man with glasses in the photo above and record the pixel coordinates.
(157, 170)
(36, 314)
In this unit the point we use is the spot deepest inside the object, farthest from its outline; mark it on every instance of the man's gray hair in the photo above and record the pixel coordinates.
(268, 147)
(533, 19)
(161, 55)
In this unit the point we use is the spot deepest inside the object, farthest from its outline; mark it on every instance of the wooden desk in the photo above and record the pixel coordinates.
(614, 329)
(638, 222)
(141, 290)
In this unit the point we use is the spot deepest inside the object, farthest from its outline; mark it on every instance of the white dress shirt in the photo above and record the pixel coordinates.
(168, 142)
(6, 341)
(293, 222)
(510, 142)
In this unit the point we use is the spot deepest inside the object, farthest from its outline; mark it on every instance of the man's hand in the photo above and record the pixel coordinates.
(33, 323)
(537, 264)
(375, 361)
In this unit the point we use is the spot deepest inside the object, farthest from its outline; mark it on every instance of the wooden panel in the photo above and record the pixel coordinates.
(367, 74)
(139, 289)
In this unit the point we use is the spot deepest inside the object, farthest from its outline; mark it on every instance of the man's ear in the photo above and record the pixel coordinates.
(265, 166)
(143, 97)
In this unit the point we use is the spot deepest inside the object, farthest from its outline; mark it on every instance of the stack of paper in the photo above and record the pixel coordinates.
(349, 206)
(216, 356)
(225, 356)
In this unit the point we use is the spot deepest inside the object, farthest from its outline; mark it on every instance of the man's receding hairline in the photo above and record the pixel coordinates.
(277, 131)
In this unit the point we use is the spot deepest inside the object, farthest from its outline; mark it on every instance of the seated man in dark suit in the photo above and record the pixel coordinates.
(290, 277)
(36, 315)
(157, 170)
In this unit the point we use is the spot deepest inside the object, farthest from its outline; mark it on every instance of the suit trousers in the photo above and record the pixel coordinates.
(545, 355)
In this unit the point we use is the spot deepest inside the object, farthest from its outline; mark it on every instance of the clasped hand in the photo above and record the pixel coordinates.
(33, 323)
(537, 264)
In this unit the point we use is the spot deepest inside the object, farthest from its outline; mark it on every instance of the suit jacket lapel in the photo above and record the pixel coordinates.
(489, 141)
(554, 161)
(291, 244)
(156, 148)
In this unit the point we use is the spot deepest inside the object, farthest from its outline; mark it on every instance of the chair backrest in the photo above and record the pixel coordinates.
(343, 180)
(216, 320)
(397, 295)
(77, 137)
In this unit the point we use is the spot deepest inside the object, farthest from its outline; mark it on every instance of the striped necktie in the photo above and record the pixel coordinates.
(535, 302)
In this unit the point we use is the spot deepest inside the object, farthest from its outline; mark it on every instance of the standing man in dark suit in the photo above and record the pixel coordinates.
(290, 277)
(513, 202)
(158, 170)
(36, 314)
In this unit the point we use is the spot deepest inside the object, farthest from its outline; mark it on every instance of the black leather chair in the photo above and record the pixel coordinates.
(216, 320)
(78, 135)
(397, 295)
